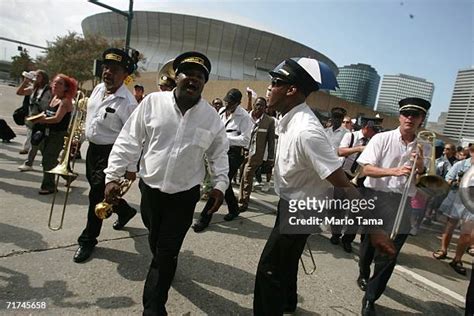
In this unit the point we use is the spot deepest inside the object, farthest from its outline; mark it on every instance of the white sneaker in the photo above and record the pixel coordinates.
(413, 231)
(25, 167)
(266, 187)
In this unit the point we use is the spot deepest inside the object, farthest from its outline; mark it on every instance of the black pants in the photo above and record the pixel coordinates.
(277, 271)
(350, 233)
(386, 208)
(235, 161)
(168, 218)
(96, 162)
(470, 295)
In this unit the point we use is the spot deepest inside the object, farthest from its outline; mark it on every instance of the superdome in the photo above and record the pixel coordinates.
(236, 52)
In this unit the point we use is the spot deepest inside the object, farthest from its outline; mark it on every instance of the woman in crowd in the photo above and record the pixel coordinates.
(455, 210)
(56, 121)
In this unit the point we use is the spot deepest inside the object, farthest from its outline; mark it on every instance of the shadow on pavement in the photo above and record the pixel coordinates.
(422, 307)
(194, 271)
(23, 238)
(18, 288)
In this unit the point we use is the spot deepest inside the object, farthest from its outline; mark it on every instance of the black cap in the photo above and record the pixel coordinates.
(291, 71)
(192, 58)
(338, 112)
(119, 57)
(414, 104)
(233, 95)
(373, 123)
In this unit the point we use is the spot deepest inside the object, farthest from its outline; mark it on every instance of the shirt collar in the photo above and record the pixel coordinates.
(283, 123)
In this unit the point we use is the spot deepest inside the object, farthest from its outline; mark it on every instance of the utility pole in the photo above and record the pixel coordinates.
(128, 15)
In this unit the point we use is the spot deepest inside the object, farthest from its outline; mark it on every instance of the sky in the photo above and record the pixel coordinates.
(431, 39)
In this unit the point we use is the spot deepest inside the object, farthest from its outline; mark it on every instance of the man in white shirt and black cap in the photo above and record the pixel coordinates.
(175, 130)
(238, 128)
(109, 107)
(351, 146)
(387, 163)
(336, 131)
(304, 160)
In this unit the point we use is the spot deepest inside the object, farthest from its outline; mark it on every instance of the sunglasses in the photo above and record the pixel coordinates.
(346, 122)
(411, 113)
(277, 82)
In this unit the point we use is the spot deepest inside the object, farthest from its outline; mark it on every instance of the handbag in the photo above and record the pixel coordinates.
(22, 112)
(19, 115)
(37, 134)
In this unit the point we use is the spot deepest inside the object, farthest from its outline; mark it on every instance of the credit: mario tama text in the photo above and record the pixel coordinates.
(334, 221)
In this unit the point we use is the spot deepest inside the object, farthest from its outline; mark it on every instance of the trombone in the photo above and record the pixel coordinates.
(65, 167)
(429, 183)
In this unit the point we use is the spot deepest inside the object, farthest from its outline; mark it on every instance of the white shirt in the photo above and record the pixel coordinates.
(304, 155)
(346, 143)
(103, 126)
(238, 127)
(173, 145)
(335, 136)
(388, 150)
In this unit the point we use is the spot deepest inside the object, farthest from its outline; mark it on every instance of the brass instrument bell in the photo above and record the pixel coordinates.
(104, 209)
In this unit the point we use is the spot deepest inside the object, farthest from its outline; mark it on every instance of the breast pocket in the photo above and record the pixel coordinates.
(202, 138)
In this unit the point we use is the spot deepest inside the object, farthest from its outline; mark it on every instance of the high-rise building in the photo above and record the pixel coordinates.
(460, 121)
(397, 87)
(358, 83)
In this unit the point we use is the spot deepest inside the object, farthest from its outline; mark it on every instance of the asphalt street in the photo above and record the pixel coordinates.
(216, 268)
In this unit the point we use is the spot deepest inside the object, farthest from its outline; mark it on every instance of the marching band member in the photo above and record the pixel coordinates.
(386, 165)
(109, 107)
(304, 159)
(238, 127)
(351, 146)
(175, 130)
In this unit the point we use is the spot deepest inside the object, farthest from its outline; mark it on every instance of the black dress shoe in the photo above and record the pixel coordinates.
(199, 226)
(230, 216)
(362, 283)
(82, 253)
(347, 246)
(121, 222)
(368, 308)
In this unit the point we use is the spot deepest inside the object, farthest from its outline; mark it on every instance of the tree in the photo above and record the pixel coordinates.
(21, 63)
(74, 55)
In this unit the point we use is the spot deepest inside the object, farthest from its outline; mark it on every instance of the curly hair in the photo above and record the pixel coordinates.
(70, 85)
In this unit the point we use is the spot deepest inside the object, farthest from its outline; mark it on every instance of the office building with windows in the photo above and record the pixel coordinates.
(358, 83)
(397, 87)
(460, 121)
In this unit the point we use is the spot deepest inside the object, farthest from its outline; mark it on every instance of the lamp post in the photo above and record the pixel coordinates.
(128, 15)
(256, 60)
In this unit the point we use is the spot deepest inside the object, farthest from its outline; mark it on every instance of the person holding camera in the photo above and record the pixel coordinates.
(36, 90)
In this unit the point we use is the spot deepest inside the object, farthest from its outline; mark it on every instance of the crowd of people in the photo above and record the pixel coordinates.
(176, 142)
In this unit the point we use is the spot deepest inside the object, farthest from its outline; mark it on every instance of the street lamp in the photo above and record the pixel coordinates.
(256, 60)
(128, 15)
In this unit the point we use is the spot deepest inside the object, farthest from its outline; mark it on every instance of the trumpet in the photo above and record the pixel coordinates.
(65, 167)
(104, 210)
